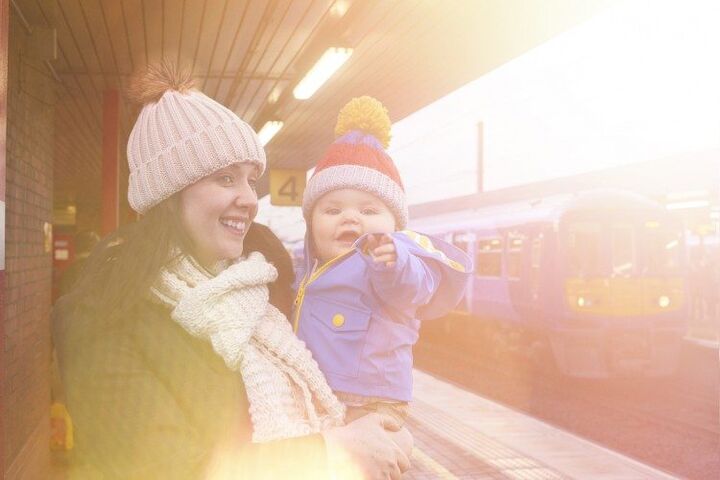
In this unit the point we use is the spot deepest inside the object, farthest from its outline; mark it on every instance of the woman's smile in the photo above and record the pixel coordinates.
(234, 225)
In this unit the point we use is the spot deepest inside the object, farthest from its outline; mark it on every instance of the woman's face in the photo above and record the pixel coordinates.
(217, 210)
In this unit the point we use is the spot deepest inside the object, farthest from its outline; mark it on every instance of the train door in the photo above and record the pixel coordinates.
(490, 295)
(524, 257)
(465, 241)
(516, 270)
(536, 244)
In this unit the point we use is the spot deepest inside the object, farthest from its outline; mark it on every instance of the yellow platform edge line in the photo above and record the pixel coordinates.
(432, 464)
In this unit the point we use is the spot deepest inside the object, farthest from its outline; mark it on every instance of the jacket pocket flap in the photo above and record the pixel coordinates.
(340, 318)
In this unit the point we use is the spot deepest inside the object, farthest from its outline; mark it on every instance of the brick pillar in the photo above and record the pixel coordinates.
(29, 155)
(110, 169)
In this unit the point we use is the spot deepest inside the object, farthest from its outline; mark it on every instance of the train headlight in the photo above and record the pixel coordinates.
(664, 301)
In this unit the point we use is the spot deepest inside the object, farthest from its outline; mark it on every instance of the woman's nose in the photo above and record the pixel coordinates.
(245, 197)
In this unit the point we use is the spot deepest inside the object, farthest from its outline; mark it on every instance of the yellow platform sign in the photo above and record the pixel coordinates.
(287, 187)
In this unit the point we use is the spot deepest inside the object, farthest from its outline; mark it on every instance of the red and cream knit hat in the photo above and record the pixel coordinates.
(357, 159)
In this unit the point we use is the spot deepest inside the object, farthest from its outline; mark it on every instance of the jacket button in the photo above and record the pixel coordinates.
(338, 320)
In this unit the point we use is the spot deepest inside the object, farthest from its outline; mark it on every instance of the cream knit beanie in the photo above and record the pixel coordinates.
(181, 136)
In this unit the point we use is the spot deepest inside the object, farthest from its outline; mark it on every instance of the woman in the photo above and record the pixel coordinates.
(175, 358)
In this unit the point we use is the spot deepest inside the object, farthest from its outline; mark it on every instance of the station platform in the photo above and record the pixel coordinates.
(460, 435)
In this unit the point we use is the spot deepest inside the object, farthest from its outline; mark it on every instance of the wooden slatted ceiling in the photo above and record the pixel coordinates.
(238, 50)
(407, 53)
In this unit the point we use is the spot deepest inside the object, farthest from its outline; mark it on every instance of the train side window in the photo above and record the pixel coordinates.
(488, 260)
(584, 248)
(514, 256)
(462, 240)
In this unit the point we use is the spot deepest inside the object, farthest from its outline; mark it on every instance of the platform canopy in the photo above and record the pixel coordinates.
(249, 55)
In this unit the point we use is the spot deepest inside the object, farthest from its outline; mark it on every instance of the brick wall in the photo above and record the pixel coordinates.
(30, 147)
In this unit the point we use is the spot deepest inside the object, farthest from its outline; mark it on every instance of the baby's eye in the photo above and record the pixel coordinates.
(226, 179)
(369, 211)
(332, 211)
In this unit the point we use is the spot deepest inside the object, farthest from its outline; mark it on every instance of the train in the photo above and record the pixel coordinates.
(590, 284)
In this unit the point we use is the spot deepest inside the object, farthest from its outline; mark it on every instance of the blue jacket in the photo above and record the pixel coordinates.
(360, 319)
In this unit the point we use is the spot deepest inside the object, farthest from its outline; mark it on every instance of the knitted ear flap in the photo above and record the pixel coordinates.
(149, 85)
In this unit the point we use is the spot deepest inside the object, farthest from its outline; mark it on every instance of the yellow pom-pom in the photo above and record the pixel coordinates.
(367, 115)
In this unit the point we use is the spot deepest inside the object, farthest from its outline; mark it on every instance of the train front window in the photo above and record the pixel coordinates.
(664, 250)
(623, 250)
(584, 248)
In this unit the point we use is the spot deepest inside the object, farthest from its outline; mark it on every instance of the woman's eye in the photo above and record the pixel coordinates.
(226, 179)
(253, 184)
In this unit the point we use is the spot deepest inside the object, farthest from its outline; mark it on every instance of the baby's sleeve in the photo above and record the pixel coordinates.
(429, 276)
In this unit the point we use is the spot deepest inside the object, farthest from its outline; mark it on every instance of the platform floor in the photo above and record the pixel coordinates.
(460, 435)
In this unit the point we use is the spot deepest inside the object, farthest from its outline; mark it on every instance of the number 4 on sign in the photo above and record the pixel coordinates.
(287, 187)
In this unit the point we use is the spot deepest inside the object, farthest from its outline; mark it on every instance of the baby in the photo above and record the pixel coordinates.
(368, 282)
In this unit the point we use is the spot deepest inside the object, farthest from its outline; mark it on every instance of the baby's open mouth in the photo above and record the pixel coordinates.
(348, 237)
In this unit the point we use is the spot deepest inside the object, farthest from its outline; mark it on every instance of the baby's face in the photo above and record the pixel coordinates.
(340, 217)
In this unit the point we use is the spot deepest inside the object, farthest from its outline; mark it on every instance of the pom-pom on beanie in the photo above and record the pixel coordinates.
(357, 159)
(181, 136)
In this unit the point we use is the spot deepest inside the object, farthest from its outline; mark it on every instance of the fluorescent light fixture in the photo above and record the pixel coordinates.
(274, 95)
(329, 63)
(268, 131)
(688, 204)
(686, 195)
(339, 8)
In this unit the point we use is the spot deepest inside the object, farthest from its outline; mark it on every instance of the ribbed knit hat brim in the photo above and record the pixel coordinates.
(180, 139)
(360, 178)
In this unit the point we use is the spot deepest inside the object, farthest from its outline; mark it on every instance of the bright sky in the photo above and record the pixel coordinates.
(637, 82)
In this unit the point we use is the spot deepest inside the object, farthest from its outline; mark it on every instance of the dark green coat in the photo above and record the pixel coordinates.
(149, 401)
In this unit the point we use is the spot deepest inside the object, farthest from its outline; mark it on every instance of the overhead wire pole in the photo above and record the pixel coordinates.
(4, 28)
(480, 156)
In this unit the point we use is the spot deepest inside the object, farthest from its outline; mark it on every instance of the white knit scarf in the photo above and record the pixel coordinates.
(288, 394)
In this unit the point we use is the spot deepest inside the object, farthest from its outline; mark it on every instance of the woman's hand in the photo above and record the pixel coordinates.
(372, 447)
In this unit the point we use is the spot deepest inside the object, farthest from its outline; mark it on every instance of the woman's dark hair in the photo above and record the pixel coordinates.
(124, 265)
(261, 239)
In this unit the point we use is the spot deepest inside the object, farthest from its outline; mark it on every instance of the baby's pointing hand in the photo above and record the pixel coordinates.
(381, 248)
